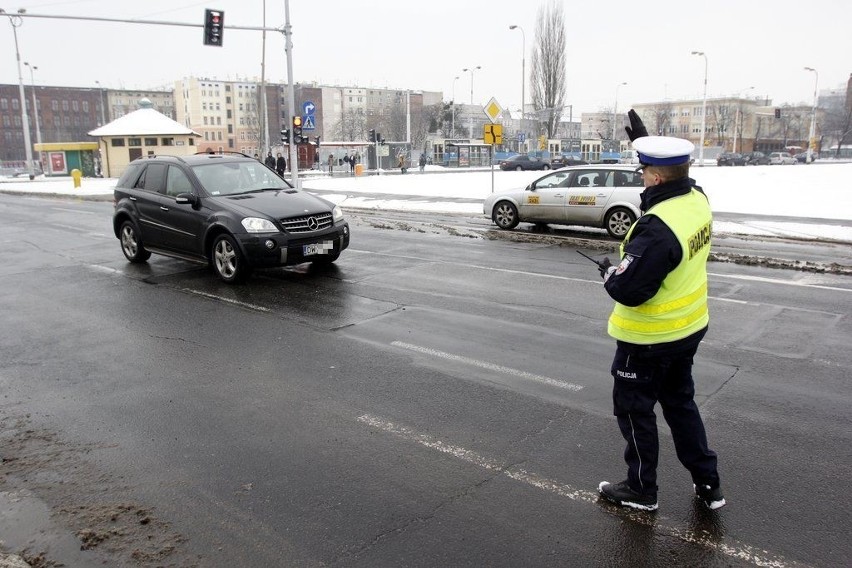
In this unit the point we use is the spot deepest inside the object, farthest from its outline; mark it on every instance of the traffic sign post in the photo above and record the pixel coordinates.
(492, 133)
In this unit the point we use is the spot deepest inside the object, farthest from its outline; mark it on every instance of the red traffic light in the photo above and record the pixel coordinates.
(213, 26)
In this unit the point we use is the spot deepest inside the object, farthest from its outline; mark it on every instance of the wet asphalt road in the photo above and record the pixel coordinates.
(435, 399)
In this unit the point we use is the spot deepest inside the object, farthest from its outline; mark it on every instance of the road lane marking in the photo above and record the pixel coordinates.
(488, 366)
(571, 279)
(80, 211)
(228, 300)
(766, 280)
(726, 546)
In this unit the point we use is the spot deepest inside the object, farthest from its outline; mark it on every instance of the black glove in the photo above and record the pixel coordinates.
(637, 128)
(603, 266)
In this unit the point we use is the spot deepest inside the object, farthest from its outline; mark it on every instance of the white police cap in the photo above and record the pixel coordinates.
(663, 150)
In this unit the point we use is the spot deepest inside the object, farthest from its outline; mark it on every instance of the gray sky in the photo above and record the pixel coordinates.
(425, 44)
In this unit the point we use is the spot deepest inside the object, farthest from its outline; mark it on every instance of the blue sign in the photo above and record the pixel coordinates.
(521, 137)
(308, 108)
(308, 122)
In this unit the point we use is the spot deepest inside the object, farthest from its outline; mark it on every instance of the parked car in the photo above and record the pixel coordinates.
(590, 196)
(802, 157)
(562, 161)
(781, 158)
(524, 162)
(756, 159)
(730, 159)
(226, 210)
(629, 157)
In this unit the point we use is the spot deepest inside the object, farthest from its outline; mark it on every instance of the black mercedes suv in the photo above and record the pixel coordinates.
(228, 210)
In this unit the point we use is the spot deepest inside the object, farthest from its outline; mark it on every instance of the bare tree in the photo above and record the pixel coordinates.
(350, 127)
(548, 66)
(659, 119)
(837, 119)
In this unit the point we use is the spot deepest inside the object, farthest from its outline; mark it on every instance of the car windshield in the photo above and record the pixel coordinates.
(230, 178)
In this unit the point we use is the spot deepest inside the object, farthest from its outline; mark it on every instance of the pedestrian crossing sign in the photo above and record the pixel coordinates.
(308, 122)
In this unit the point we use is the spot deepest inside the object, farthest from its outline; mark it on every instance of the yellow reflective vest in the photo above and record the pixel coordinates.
(679, 308)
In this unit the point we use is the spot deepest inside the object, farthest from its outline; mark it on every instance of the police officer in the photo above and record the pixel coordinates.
(659, 318)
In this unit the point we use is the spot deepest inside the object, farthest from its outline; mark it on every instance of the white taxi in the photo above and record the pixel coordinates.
(605, 196)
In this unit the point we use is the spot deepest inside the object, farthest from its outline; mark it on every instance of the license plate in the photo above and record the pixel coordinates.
(317, 248)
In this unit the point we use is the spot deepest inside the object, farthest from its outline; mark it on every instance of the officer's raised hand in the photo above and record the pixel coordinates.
(637, 127)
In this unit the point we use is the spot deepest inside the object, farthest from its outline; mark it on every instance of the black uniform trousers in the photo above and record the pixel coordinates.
(647, 374)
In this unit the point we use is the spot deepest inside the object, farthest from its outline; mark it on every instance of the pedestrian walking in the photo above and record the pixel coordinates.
(422, 161)
(352, 162)
(280, 164)
(401, 162)
(331, 163)
(269, 160)
(659, 319)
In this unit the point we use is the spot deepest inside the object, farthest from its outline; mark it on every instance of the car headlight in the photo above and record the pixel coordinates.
(337, 213)
(258, 225)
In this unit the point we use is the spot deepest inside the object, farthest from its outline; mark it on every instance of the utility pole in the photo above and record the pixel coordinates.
(291, 94)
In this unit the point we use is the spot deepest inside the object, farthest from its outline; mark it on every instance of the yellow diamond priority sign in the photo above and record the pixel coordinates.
(493, 109)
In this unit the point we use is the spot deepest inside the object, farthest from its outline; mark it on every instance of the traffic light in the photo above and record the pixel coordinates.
(285, 135)
(214, 21)
(297, 129)
(371, 135)
(777, 113)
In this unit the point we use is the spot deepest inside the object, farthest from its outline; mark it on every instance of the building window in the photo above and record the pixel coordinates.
(75, 106)
(16, 105)
(67, 121)
(134, 141)
(167, 141)
(4, 104)
(85, 106)
(65, 105)
(117, 142)
(6, 122)
(219, 134)
(219, 120)
(205, 121)
(230, 142)
(150, 141)
(54, 105)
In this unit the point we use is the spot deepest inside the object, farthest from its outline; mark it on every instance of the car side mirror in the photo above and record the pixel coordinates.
(186, 199)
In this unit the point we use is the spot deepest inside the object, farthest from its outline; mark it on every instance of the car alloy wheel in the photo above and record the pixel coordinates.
(618, 222)
(228, 261)
(131, 246)
(519, 169)
(505, 215)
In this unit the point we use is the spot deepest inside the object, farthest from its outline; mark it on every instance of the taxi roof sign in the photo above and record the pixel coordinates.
(493, 109)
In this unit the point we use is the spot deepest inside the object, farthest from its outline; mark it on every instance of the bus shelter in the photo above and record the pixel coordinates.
(467, 155)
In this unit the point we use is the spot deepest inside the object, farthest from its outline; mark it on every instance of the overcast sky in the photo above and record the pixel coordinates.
(423, 45)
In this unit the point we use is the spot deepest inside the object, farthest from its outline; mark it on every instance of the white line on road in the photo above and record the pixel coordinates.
(778, 281)
(488, 366)
(80, 211)
(228, 300)
(729, 547)
(593, 281)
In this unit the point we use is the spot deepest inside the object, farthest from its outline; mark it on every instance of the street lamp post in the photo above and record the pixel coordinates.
(470, 118)
(16, 21)
(523, 72)
(703, 111)
(453, 123)
(810, 155)
(35, 106)
(102, 105)
(615, 110)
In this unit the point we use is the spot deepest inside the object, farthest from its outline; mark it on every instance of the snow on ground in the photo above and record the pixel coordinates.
(817, 191)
